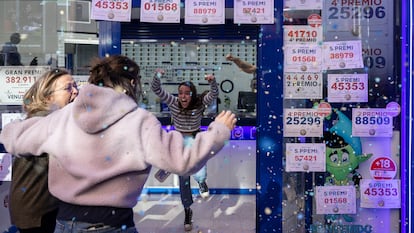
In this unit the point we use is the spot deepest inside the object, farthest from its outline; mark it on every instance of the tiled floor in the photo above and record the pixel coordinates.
(163, 213)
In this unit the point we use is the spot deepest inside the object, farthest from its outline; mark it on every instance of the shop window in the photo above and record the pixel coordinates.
(341, 118)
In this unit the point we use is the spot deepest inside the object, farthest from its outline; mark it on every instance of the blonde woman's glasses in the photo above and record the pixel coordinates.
(69, 88)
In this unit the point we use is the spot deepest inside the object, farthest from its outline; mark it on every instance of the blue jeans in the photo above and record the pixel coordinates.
(185, 186)
(83, 227)
(201, 175)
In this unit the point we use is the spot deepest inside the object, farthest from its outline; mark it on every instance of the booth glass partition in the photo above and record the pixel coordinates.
(342, 123)
(189, 60)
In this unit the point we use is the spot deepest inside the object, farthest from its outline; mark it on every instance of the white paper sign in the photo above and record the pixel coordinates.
(110, 10)
(302, 34)
(302, 4)
(204, 12)
(343, 15)
(383, 194)
(335, 199)
(305, 157)
(16, 80)
(161, 11)
(301, 57)
(302, 86)
(9, 117)
(253, 12)
(80, 80)
(371, 122)
(5, 166)
(302, 122)
(339, 55)
(347, 88)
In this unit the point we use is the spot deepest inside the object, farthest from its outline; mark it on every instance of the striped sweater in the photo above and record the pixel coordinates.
(185, 121)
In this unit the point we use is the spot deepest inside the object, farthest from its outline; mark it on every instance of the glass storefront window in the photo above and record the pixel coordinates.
(341, 118)
(342, 160)
(44, 27)
(189, 60)
(39, 35)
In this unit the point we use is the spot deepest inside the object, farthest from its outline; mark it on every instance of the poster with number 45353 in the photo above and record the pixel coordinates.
(109, 10)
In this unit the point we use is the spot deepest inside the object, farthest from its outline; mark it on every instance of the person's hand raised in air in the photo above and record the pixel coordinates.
(228, 118)
(209, 77)
(159, 72)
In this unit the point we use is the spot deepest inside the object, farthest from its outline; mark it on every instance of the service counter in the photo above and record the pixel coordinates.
(243, 119)
(231, 171)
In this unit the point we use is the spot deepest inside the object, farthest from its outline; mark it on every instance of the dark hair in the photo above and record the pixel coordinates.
(196, 100)
(15, 38)
(118, 72)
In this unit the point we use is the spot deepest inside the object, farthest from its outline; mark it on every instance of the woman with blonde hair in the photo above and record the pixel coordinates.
(32, 208)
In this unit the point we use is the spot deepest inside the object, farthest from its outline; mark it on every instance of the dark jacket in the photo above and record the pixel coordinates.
(10, 56)
(29, 194)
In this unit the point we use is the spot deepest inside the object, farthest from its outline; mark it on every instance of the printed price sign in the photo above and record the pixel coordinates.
(347, 88)
(302, 4)
(335, 199)
(305, 157)
(383, 168)
(339, 55)
(302, 34)
(110, 10)
(371, 122)
(254, 12)
(160, 11)
(16, 80)
(306, 58)
(385, 194)
(5, 166)
(204, 12)
(302, 122)
(302, 85)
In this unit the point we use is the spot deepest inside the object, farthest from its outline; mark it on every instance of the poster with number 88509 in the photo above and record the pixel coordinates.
(371, 122)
